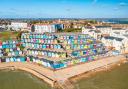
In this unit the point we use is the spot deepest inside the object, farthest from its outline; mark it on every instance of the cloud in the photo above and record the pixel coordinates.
(116, 9)
(94, 1)
(123, 4)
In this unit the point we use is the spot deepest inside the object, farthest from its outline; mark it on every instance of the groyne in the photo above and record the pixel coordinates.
(62, 75)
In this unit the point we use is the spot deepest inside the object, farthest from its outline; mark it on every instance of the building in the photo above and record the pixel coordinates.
(121, 33)
(125, 26)
(125, 36)
(111, 37)
(41, 28)
(85, 30)
(2, 28)
(119, 30)
(19, 25)
(92, 32)
(117, 43)
(104, 29)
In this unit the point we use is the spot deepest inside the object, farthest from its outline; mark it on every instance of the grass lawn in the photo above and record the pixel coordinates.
(7, 35)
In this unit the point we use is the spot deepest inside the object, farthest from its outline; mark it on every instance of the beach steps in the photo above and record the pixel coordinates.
(66, 84)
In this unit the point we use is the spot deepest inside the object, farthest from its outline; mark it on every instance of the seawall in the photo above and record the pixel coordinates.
(62, 75)
(40, 72)
(67, 73)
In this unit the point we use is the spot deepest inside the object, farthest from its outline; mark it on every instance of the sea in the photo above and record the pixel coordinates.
(113, 20)
(106, 20)
(20, 80)
(116, 78)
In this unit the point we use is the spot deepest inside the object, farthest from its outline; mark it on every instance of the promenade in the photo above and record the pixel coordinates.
(83, 68)
(51, 76)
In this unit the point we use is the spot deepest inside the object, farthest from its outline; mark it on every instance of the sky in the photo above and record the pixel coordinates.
(63, 8)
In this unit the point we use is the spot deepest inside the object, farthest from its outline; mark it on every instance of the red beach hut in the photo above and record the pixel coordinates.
(0, 43)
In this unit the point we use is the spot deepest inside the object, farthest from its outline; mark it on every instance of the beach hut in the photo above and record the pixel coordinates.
(59, 46)
(22, 59)
(17, 53)
(57, 65)
(49, 54)
(0, 60)
(44, 46)
(1, 55)
(7, 60)
(57, 55)
(0, 43)
(34, 59)
(14, 58)
(11, 50)
(0, 46)
(44, 63)
(52, 46)
(3, 46)
(44, 53)
(28, 59)
(18, 59)
(11, 59)
(53, 54)
(40, 53)
(3, 60)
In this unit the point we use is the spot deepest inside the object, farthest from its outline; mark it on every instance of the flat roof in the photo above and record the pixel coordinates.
(126, 35)
(103, 26)
(118, 29)
(113, 38)
(117, 32)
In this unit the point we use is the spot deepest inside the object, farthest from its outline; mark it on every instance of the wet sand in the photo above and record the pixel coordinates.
(92, 73)
(114, 78)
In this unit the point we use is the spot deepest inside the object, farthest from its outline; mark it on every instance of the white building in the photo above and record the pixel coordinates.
(85, 30)
(117, 38)
(121, 33)
(19, 25)
(125, 36)
(92, 32)
(118, 43)
(120, 30)
(104, 29)
(41, 28)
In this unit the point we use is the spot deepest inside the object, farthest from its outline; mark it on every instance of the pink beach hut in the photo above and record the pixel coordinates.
(28, 59)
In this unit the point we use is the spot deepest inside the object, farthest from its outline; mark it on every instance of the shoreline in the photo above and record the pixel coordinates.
(77, 78)
(27, 68)
(68, 76)
(94, 72)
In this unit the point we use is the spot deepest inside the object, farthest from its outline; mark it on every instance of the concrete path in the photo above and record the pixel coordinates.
(62, 75)
(82, 68)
